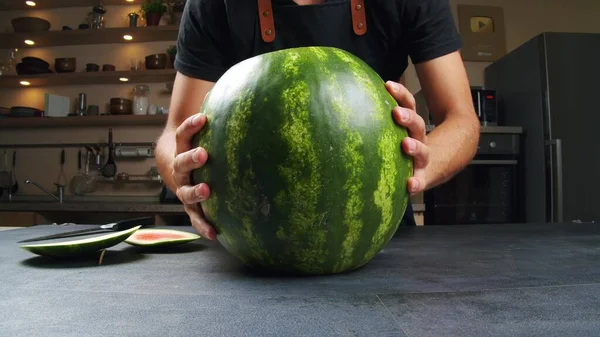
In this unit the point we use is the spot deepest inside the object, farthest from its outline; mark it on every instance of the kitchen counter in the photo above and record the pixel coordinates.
(488, 280)
(91, 206)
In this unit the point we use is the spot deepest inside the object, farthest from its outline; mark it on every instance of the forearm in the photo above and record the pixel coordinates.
(452, 145)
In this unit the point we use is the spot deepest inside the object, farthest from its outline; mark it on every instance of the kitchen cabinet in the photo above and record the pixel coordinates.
(18, 219)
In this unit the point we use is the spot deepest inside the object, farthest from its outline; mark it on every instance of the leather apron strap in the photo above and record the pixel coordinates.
(267, 24)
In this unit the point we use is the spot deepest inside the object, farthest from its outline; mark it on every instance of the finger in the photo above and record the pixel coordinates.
(187, 130)
(416, 185)
(199, 223)
(191, 195)
(412, 121)
(401, 95)
(417, 150)
(185, 162)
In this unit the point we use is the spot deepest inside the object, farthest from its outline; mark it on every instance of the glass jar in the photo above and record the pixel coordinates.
(141, 99)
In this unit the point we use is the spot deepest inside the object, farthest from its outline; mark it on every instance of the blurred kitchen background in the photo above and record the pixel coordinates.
(114, 52)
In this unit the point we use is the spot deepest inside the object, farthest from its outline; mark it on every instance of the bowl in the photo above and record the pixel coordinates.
(108, 67)
(120, 106)
(156, 61)
(29, 24)
(35, 62)
(92, 67)
(65, 64)
(30, 69)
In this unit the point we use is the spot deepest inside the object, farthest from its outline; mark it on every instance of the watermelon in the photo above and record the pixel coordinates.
(157, 237)
(79, 247)
(305, 167)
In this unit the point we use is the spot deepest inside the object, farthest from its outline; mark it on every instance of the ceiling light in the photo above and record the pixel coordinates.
(29, 42)
(123, 79)
(30, 3)
(128, 37)
(25, 83)
(129, 0)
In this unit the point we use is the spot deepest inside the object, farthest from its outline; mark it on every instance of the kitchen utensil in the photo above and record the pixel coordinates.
(110, 227)
(78, 183)
(81, 104)
(91, 67)
(65, 64)
(91, 180)
(93, 110)
(156, 61)
(120, 106)
(61, 174)
(15, 187)
(110, 168)
(5, 175)
(29, 24)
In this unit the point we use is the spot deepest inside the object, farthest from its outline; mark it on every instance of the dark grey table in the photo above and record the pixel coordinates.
(510, 280)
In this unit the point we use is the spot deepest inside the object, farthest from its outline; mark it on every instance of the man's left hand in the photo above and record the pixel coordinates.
(415, 145)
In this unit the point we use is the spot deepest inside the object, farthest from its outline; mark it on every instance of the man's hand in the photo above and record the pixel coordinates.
(416, 144)
(186, 160)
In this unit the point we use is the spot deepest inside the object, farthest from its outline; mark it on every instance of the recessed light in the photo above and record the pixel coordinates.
(123, 79)
(29, 42)
(128, 37)
(129, 0)
(25, 83)
(30, 3)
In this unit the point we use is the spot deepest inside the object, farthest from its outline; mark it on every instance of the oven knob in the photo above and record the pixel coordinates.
(493, 145)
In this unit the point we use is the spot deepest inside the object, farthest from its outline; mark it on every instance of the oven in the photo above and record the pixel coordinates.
(484, 192)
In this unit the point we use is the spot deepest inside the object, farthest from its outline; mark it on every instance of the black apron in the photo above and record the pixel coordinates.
(280, 24)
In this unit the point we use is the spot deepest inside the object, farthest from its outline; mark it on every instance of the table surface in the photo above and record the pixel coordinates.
(485, 280)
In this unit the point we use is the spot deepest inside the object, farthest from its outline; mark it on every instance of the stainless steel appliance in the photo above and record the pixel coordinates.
(549, 86)
(486, 191)
(484, 103)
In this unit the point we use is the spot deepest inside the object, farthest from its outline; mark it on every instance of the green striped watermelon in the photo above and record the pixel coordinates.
(305, 166)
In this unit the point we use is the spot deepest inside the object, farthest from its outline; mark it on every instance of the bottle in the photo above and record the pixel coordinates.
(141, 99)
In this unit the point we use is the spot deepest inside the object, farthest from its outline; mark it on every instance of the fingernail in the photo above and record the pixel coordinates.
(196, 120)
(198, 192)
(196, 155)
(411, 145)
(404, 115)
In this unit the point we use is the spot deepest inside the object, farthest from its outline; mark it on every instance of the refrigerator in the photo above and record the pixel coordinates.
(549, 86)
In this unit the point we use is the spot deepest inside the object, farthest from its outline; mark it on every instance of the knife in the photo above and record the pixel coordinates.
(110, 227)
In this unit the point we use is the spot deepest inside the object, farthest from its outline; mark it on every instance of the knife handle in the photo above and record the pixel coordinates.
(130, 223)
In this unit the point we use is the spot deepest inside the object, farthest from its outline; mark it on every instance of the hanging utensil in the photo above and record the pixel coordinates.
(61, 174)
(91, 179)
(15, 187)
(110, 168)
(79, 181)
(5, 175)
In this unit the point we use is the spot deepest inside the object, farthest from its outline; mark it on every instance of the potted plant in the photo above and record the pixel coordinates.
(153, 11)
(175, 11)
(172, 52)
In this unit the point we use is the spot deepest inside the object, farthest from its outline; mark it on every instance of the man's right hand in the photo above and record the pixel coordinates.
(186, 160)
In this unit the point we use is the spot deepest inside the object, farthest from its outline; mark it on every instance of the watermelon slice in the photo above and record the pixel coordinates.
(154, 237)
(81, 246)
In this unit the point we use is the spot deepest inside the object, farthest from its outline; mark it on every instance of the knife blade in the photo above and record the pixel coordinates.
(110, 227)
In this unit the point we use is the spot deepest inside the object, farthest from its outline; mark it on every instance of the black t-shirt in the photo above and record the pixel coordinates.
(216, 34)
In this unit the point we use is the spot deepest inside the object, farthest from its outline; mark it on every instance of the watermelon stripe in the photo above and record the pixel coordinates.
(300, 171)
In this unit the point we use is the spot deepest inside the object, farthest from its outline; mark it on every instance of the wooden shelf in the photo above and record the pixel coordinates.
(81, 121)
(91, 78)
(47, 4)
(89, 36)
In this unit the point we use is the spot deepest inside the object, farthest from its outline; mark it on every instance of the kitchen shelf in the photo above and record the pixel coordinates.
(89, 36)
(47, 4)
(81, 121)
(88, 78)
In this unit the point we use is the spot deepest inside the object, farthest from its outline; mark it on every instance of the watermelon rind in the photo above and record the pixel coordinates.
(135, 239)
(81, 246)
